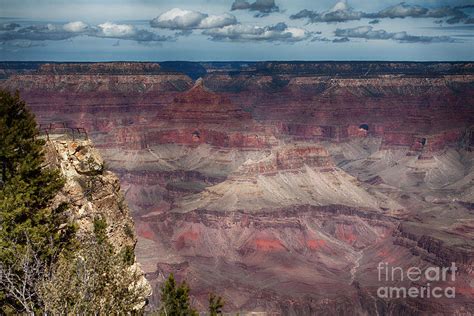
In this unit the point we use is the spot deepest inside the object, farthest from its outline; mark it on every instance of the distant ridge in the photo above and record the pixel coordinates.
(196, 70)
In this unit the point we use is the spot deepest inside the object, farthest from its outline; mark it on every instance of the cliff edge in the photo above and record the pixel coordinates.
(92, 193)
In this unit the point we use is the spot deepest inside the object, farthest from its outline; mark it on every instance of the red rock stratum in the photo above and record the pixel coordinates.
(282, 186)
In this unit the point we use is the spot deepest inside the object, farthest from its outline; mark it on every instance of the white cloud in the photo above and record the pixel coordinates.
(180, 19)
(110, 29)
(75, 27)
(215, 21)
(297, 33)
(127, 31)
(244, 32)
(340, 6)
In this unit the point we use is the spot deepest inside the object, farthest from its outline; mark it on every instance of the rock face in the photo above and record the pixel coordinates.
(92, 193)
(280, 186)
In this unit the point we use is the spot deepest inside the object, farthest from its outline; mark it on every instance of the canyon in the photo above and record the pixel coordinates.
(281, 186)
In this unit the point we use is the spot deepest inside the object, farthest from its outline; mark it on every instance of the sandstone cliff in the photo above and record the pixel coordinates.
(92, 192)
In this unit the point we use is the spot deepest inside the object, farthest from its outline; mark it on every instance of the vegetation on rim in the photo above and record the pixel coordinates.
(45, 268)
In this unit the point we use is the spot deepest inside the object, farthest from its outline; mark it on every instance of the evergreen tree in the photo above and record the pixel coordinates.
(28, 223)
(175, 299)
(216, 303)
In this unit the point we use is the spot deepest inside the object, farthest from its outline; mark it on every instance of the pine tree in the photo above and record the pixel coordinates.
(28, 223)
(175, 299)
(216, 303)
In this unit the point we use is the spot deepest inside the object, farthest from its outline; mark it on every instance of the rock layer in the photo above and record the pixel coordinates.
(282, 186)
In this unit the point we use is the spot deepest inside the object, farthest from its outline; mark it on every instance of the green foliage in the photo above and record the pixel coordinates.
(216, 303)
(100, 229)
(175, 299)
(128, 231)
(90, 186)
(44, 269)
(26, 192)
(128, 255)
(93, 281)
(94, 167)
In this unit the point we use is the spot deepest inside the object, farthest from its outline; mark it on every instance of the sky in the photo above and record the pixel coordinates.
(244, 30)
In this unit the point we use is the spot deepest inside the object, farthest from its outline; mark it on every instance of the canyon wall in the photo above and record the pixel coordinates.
(281, 186)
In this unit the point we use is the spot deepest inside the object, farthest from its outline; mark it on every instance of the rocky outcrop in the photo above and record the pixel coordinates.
(92, 192)
(440, 251)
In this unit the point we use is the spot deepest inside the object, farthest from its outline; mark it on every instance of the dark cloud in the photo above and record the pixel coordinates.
(342, 12)
(58, 32)
(184, 33)
(320, 39)
(460, 27)
(8, 26)
(368, 32)
(403, 10)
(262, 6)
(241, 32)
(467, 6)
(37, 33)
(341, 40)
(18, 44)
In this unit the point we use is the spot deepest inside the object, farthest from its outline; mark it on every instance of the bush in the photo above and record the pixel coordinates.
(94, 281)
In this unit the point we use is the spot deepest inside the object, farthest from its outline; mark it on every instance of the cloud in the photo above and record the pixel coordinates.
(16, 44)
(368, 32)
(75, 27)
(262, 6)
(128, 32)
(37, 33)
(8, 26)
(214, 21)
(341, 40)
(179, 19)
(109, 29)
(276, 33)
(57, 32)
(342, 12)
(402, 10)
(320, 39)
